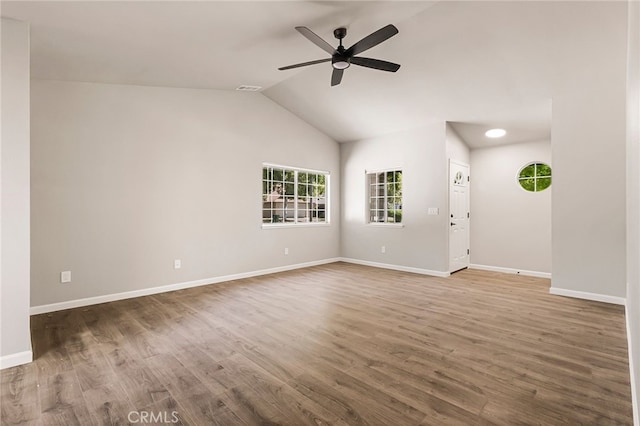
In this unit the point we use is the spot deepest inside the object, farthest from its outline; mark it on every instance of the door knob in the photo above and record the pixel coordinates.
(452, 223)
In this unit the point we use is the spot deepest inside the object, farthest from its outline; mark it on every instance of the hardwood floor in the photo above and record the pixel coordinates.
(334, 344)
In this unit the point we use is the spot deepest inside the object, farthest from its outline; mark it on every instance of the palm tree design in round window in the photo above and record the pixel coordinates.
(535, 177)
(457, 180)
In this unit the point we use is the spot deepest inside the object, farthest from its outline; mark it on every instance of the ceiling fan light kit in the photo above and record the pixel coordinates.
(342, 58)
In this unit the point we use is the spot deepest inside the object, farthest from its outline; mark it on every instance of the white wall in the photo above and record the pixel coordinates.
(422, 241)
(588, 217)
(588, 148)
(633, 202)
(125, 179)
(510, 227)
(15, 339)
(457, 149)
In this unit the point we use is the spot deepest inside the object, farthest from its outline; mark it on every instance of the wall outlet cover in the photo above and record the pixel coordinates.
(65, 276)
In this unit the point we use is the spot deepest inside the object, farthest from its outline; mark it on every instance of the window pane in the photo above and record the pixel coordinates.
(293, 196)
(385, 196)
(529, 171)
(397, 203)
(543, 183)
(528, 184)
(391, 189)
(543, 170)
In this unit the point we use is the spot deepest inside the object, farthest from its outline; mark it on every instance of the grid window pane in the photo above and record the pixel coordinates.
(385, 196)
(293, 196)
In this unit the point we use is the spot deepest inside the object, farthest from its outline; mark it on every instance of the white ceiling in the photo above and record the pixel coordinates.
(477, 64)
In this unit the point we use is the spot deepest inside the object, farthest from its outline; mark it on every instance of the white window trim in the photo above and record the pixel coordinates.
(386, 224)
(367, 213)
(327, 214)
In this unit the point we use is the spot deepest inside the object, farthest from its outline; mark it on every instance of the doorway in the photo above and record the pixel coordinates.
(459, 215)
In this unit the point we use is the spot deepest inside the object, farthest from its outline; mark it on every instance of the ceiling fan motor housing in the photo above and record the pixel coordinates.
(340, 33)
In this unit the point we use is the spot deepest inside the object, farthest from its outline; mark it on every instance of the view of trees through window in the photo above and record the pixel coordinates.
(385, 196)
(291, 195)
(535, 177)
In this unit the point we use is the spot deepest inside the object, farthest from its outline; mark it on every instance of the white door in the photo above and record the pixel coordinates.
(458, 216)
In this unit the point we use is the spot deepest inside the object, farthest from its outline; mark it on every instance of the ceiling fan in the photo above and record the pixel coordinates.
(342, 58)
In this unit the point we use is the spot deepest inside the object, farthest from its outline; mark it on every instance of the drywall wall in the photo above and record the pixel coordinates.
(588, 217)
(125, 179)
(633, 202)
(457, 149)
(422, 240)
(510, 227)
(15, 337)
(588, 149)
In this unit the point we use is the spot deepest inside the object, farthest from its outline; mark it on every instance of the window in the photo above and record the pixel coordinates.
(385, 196)
(294, 196)
(535, 177)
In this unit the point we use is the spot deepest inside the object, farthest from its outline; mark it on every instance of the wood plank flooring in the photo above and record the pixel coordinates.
(335, 344)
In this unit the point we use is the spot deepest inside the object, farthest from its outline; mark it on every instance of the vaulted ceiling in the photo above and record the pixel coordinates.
(476, 64)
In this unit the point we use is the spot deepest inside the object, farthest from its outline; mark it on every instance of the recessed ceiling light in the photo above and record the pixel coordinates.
(495, 133)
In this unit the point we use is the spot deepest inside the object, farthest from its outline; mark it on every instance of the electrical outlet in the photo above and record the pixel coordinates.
(177, 264)
(65, 276)
(286, 250)
(383, 249)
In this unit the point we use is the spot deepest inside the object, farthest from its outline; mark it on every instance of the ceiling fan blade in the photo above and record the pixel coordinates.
(304, 64)
(336, 77)
(372, 39)
(375, 64)
(316, 39)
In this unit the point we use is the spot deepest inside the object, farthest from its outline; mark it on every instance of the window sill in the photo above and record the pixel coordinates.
(385, 225)
(294, 225)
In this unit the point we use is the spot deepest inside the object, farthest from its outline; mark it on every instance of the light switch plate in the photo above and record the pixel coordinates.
(433, 211)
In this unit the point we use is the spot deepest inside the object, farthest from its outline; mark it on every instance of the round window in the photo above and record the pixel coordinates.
(535, 177)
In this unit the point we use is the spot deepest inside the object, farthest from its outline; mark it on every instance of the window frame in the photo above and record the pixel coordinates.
(368, 194)
(295, 197)
(535, 177)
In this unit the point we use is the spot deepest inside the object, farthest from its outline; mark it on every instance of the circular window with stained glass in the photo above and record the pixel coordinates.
(535, 177)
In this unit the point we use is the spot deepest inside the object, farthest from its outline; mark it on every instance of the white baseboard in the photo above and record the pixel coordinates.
(396, 267)
(511, 271)
(13, 360)
(170, 287)
(588, 296)
(632, 371)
